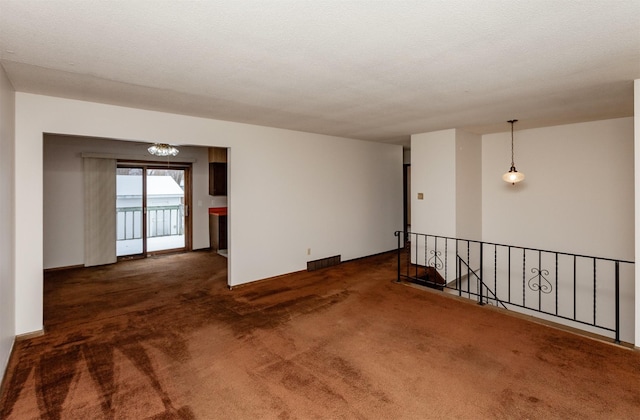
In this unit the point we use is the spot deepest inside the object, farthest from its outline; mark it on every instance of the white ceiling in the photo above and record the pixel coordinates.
(371, 70)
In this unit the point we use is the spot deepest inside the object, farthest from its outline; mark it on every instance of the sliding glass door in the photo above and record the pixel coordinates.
(129, 210)
(152, 207)
(165, 209)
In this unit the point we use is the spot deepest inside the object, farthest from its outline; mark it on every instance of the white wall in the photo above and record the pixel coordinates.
(306, 191)
(63, 193)
(578, 195)
(7, 179)
(637, 205)
(433, 173)
(468, 185)
(289, 191)
(446, 168)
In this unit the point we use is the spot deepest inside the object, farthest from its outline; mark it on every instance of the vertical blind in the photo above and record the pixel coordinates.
(99, 211)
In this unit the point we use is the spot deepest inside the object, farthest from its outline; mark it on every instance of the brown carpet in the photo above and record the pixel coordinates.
(163, 338)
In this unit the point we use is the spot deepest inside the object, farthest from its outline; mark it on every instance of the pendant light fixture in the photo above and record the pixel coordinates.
(163, 149)
(513, 175)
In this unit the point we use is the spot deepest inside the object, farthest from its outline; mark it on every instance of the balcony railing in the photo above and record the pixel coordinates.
(577, 290)
(161, 221)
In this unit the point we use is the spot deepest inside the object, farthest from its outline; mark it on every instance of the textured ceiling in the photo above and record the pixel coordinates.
(371, 70)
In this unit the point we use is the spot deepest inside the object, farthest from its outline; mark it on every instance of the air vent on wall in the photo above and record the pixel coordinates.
(323, 263)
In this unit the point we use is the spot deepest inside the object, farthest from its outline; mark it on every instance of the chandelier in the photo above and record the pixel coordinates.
(163, 149)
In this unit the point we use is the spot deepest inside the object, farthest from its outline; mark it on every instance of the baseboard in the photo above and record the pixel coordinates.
(29, 335)
(231, 287)
(235, 286)
(205, 249)
(6, 366)
(68, 267)
(394, 250)
(17, 338)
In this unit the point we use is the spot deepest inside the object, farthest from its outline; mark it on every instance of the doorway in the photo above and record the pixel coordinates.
(153, 209)
(406, 193)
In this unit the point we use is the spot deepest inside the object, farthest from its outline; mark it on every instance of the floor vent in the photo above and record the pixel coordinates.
(323, 263)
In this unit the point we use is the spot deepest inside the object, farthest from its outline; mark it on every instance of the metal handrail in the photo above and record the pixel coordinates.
(559, 284)
(470, 271)
(152, 227)
(400, 233)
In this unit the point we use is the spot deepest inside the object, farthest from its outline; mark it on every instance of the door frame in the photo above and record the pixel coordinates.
(406, 197)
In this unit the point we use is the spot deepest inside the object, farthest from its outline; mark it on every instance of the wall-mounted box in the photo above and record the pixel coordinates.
(217, 171)
(217, 178)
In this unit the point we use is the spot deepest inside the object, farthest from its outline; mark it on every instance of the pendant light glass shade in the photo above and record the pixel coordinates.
(513, 175)
(163, 149)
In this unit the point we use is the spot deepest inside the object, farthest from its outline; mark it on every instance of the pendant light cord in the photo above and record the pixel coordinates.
(512, 122)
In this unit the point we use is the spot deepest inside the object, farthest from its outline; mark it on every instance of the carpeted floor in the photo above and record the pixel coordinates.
(164, 338)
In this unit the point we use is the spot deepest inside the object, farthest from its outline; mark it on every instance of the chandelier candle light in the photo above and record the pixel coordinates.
(163, 149)
(513, 175)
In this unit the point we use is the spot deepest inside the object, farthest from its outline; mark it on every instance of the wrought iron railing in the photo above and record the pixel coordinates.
(576, 290)
(161, 221)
